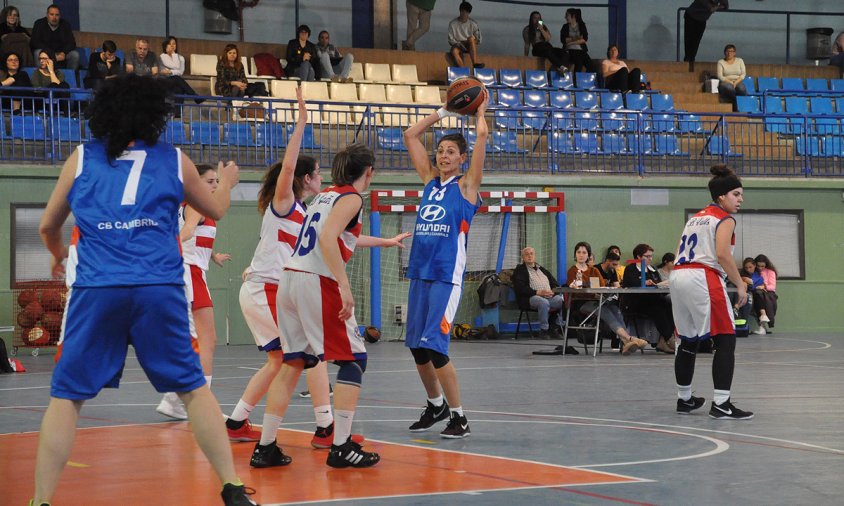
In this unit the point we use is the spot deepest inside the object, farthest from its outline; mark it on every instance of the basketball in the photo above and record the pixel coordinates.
(465, 95)
(25, 320)
(52, 321)
(26, 297)
(38, 336)
(372, 335)
(34, 310)
(51, 300)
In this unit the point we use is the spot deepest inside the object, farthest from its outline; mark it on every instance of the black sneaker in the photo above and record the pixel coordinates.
(457, 428)
(726, 411)
(430, 416)
(350, 454)
(686, 407)
(268, 456)
(306, 394)
(237, 495)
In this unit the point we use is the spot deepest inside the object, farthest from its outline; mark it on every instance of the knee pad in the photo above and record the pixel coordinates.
(724, 343)
(421, 355)
(438, 359)
(351, 371)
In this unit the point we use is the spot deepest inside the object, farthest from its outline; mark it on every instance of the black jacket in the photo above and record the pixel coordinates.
(59, 41)
(521, 284)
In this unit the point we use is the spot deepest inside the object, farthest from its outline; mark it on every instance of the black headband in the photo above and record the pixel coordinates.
(722, 185)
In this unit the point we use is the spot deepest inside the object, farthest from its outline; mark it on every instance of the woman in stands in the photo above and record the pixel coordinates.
(731, 74)
(574, 36)
(46, 75)
(12, 75)
(580, 275)
(537, 37)
(171, 66)
(103, 65)
(231, 76)
(663, 270)
(14, 37)
(617, 76)
(10, 21)
(701, 308)
(765, 296)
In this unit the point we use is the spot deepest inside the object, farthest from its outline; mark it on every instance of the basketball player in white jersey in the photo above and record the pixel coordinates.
(702, 310)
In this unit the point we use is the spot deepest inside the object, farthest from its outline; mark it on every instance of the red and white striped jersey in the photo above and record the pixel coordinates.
(197, 249)
(278, 238)
(307, 255)
(697, 245)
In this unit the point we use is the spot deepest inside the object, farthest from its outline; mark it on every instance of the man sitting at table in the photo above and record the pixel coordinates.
(534, 286)
(609, 269)
(655, 306)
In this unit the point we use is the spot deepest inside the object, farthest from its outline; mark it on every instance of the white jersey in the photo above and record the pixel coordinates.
(197, 249)
(307, 255)
(697, 245)
(278, 238)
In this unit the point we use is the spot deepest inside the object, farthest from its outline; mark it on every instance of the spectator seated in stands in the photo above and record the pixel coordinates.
(574, 36)
(765, 296)
(580, 275)
(731, 74)
(655, 306)
(753, 280)
(537, 39)
(46, 75)
(231, 77)
(837, 57)
(302, 56)
(141, 62)
(333, 65)
(13, 36)
(54, 33)
(617, 76)
(464, 36)
(171, 68)
(609, 269)
(103, 65)
(534, 286)
(12, 75)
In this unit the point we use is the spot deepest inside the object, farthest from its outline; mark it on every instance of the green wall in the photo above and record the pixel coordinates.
(598, 210)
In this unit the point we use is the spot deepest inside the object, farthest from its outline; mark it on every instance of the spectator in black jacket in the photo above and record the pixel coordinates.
(534, 286)
(103, 65)
(53, 33)
(655, 306)
(302, 58)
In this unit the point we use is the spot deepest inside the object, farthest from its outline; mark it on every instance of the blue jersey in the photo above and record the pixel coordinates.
(441, 233)
(126, 212)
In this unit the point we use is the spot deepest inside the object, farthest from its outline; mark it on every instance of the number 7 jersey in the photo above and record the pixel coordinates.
(697, 245)
(307, 255)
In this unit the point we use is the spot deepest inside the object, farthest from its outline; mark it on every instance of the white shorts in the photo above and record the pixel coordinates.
(258, 303)
(308, 305)
(700, 304)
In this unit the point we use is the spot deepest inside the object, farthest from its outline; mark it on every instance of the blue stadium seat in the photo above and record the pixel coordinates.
(455, 72)
(535, 119)
(816, 84)
(84, 56)
(720, 146)
(238, 134)
(640, 144)
(821, 105)
(662, 102)
(772, 104)
(586, 100)
(614, 144)
(750, 85)
(839, 106)
(767, 83)
(174, 133)
(748, 104)
(511, 78)
(792, 84)
(586, 142)
(611, 101)
(70, 79)
(807, 145)
(487, 76)
(617, 121)
(505, 142)
(509, 119)
(662, 123)
(797, 125)
(508, 98)
(560, 142)
(836, 84)
(119, 54)
(666, 144)
(308, 140)
(536, 78)
(637, 101)
(562, 120)
(796, 105)
(586, 120)
(585, 80)
(28, 127)
(561, 81)
(205, 132)
(67, 129)
(561, 100)
(833, 146)
(689, 123)
(826, 125)
(270, 134)
(776, 124)
(536, 98)
(390, 139)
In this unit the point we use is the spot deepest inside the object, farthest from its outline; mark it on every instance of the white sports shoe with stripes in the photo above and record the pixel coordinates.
(350, 454)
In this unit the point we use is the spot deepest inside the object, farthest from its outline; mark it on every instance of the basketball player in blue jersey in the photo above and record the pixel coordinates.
(437, 263)
(125, 274)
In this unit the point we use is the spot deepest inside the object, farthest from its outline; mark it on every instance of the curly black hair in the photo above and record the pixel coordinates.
(128, 108)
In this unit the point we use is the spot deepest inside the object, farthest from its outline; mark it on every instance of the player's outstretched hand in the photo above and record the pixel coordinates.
(397, 240)
(348, 301)
(219, 258)
(228, 173)
(303, 110)
(57, 267)
(483, 107)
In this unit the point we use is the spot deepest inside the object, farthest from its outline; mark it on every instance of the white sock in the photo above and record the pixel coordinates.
(684, 392)
(270, 428)
(458, 410)
(721, 396)
(241, 411)
(323, 415)
(208, 381)
(342, 425)
(172, 398)
(437, 401)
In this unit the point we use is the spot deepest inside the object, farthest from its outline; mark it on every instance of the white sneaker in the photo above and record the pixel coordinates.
(172, 406)
(764, 319)
(760, 331)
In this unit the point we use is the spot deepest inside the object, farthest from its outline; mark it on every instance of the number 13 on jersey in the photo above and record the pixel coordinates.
(687, 242)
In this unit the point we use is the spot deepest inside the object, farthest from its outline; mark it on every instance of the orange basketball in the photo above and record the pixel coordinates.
(38, 336)
(25, 320)
(26, 297)
(52, 321)
(465, 95)
(52, 300)
(34, 310)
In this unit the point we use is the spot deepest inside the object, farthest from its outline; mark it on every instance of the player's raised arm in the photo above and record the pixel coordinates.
(283, 197)
(471, 182)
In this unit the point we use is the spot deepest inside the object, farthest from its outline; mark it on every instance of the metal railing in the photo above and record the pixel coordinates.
(539, 140)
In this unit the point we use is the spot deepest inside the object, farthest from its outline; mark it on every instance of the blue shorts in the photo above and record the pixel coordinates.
(431, 308)
(101, 323)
